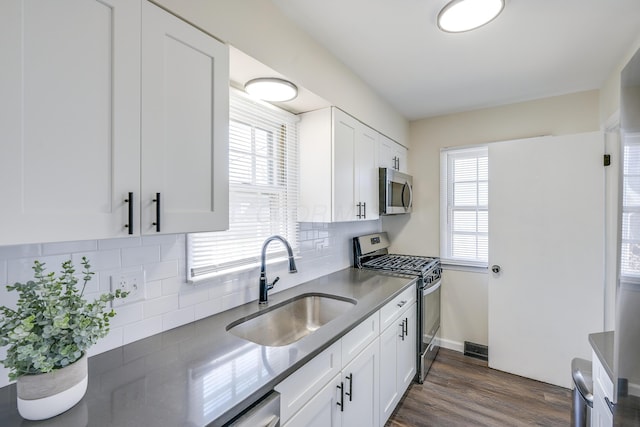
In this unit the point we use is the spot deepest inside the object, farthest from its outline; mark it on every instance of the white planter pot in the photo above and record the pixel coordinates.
(44, 396)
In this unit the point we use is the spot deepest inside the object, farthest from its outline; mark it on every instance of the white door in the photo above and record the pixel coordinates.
(407, 350)
(69, 118)
(361, 388)
(389, 373)
(546, 232)
(344, 178)
(185, 122)
(323, 410)
(367, 170)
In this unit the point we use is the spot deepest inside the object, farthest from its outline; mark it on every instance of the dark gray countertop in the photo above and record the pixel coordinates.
(602, 344)
(199, 374)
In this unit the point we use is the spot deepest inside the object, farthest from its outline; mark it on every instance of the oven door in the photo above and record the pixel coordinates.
(429, 342)
(430, 313)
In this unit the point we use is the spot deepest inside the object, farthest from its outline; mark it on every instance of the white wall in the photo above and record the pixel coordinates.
(464, 295)
(169, 300)
(259, 29)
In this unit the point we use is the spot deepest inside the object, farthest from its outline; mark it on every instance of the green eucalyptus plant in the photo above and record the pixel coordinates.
(53, 325)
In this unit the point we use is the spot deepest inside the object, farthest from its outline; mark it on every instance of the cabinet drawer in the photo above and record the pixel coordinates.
(298, 388)
(392, 310)
(360, 337)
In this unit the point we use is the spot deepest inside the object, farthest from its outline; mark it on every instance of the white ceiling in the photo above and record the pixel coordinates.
(534, 49)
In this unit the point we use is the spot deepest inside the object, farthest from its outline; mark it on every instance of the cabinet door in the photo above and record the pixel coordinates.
(322, 410)
(185, 122)
(407, 350)
(361, 387)
(389, 371)
(392, 155)
(69, 118)
(367, 172)
(345, 139)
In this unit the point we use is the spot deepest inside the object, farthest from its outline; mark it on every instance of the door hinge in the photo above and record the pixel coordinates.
(607, 159)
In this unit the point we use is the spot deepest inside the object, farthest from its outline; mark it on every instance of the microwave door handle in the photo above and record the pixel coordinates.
(407, 185)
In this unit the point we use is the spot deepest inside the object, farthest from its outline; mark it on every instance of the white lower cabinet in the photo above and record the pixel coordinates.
(322, 410)
(359, 379)
(601, 415)
(349, 399)
(397, 360)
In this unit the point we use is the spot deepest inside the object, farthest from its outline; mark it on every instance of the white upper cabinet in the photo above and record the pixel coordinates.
(185, 114)
(70, 121)
(392, 155)
(69, 118)
(338, 168)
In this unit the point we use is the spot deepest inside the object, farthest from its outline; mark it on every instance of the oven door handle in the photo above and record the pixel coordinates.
(431, 289)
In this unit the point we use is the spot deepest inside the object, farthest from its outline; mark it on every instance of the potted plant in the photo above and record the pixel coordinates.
(48, 335)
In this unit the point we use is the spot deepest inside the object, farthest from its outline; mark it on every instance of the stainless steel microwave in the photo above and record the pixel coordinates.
(396, 192)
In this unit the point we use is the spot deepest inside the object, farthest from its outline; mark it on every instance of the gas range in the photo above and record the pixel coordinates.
(371, 252)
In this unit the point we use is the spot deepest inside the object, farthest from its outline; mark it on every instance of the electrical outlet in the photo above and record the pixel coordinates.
(131, 282)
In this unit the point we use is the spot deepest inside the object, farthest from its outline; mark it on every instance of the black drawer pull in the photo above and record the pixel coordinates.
(129, 224)
(157, 202)
(341, 403)
(350, 394)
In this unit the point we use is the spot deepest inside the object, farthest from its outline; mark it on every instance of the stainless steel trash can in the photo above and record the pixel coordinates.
(582, 393)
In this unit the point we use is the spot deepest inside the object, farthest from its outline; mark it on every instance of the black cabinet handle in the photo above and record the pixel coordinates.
(341, 403)
(402, 331)
(350, 394)
(364, 208)
(359, 214)
(406, 326)
(129, 224)
(157, 202)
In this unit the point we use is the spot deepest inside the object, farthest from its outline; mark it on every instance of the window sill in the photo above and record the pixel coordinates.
(471, 267)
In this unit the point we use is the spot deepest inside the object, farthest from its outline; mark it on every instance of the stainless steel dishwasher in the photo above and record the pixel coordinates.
(266, 413)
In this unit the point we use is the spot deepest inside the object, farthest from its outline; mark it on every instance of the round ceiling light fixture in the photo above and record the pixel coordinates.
(465, 15)
(271, 89)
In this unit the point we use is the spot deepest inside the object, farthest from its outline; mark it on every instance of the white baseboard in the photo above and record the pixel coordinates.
(452, 345)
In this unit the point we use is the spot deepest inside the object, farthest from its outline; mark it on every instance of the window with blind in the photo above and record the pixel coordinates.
(464, 217)
(263, 191)
(630, 236)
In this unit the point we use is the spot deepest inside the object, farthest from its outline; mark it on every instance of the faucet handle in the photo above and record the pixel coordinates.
(273, 283)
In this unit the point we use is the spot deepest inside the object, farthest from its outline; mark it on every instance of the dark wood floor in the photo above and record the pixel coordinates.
(463, 391)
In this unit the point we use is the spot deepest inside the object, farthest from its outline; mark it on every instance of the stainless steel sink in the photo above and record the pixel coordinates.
(290, 320)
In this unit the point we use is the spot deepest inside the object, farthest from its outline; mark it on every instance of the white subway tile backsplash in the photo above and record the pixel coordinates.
(170, 286)
(193, 297)
(140, 255)
(160, 305)
(3, 272)
(153, 289)
(99, 260)
(21, 251)
(128, 313)
(177, 318)
(143, 329)
(113, 340)
(161, 270)
(207, 308)
(168, 300)
(21, 270)
(125, 242)
(69, 247)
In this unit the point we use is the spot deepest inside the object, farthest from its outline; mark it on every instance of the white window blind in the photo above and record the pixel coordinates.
(464, 217)
(630, 236)
(263, 191)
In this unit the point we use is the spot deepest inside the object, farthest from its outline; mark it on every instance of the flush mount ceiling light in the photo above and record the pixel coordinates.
(271, 89)
(465, 15)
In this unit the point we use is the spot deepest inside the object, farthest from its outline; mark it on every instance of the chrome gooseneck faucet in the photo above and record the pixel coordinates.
(264, 284)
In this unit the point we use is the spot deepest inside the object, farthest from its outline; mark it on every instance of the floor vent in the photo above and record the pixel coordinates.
(478, 351)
